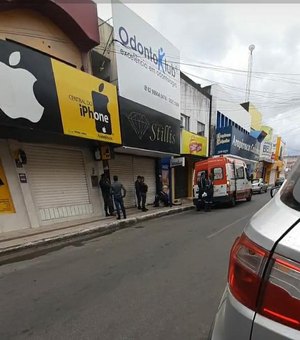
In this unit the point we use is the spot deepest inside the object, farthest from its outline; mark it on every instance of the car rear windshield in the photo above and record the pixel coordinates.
(290, 193)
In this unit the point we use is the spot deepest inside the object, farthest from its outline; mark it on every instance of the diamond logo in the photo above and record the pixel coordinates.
(139, 123)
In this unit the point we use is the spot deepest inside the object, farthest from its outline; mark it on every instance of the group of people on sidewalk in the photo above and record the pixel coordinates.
(205, 191)
(113, 195)
(141, 189)
(113, 192)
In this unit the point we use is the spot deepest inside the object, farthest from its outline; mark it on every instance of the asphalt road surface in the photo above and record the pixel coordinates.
(161, 279)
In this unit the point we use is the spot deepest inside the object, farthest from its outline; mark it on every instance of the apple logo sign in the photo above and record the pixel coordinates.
(17, 99)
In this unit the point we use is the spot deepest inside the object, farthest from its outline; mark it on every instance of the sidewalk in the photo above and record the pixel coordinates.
(23, 242)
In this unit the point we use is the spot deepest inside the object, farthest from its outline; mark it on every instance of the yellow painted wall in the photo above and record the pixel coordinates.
(256, 117)
(269, 131)
(37, 31)
(277, 151)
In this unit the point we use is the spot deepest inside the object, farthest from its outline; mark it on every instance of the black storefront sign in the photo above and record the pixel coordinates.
(28, 97)
(145, 128)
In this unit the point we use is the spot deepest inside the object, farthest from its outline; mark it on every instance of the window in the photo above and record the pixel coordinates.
(185, 122)
(200, 129)
(218, 173)
(240, 174)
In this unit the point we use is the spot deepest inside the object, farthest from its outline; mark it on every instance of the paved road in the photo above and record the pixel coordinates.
(162, 279)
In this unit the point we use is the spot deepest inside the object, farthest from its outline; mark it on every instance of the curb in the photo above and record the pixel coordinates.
(44, 245)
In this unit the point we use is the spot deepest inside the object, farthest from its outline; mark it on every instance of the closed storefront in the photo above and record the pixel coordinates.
(181, 182)
(58, 183)
(127, 168)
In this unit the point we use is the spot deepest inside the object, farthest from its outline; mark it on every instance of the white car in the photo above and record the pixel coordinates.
(262, 297)
(259, 186)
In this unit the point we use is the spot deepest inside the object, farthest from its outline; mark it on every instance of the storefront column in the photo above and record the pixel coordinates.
(14, 147)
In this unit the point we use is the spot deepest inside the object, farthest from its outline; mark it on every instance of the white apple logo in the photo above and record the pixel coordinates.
(104, 129)
(17, 99)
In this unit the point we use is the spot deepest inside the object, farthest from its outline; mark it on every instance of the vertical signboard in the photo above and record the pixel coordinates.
(148, 64)
(6, 202)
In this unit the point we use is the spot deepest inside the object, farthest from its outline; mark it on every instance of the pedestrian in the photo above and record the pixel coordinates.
(209, 189)
(143, 190)
(105, 187)
(137, 185)
(201, 190)
(162, 196)
(118, 192)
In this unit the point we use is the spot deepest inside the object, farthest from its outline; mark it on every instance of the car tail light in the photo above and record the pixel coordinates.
(247, 261)
(277, 297)
(281, 294)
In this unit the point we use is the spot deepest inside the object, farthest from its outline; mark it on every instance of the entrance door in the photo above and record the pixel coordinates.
(181, 182)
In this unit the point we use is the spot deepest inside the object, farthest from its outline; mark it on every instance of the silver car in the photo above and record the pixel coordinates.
(262, 297)
(259, 186)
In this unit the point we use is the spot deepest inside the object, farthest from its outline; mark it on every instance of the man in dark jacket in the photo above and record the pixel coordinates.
(137, 186)
(209, 189)
(143, 190)
(201, 190)
(106, 194)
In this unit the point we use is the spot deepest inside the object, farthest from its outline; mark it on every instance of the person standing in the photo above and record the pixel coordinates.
(201, 190)
(118, 192)
(106, 194)
(209, 189)
(137, 185)
(143, 190)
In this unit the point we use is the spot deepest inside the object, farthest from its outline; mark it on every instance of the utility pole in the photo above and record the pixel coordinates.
(249, 74)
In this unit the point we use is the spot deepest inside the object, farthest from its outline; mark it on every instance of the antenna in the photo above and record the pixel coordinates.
(249, 74)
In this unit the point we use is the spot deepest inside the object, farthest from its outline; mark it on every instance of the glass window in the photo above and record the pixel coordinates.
(240, 174)
(185, 122)
(218, 173)
(200, 129)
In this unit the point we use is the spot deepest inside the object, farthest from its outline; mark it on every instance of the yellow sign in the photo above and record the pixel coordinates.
(105, 153)
(192, 144)
(6, 202)
(88, 105)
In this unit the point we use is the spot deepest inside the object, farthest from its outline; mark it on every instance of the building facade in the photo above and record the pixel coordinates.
(195, 106)
(57, 121)
(149, 98)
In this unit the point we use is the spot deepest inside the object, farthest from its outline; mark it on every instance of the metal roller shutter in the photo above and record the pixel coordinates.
(146, 167)
(122, 166)
(58, 182)
(127, 168)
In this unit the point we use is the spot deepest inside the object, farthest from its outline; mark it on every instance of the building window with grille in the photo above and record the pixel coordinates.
(200, 129)
(185, 122)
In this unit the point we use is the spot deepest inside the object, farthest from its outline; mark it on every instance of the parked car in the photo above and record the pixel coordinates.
(262, 298)
(259, 186)
(276, 187)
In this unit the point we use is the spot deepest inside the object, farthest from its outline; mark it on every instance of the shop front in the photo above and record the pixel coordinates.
(49, 138)
(148, 136)
(193, 149)
(230, 140)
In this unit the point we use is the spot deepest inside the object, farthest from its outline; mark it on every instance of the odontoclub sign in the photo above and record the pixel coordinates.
(42, 93)
(145, 128)
(148, 64)
(230, 140)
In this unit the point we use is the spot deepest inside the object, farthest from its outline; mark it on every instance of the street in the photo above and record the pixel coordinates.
(162, 279)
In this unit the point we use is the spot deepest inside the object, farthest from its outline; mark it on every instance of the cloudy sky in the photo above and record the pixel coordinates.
(214, 39)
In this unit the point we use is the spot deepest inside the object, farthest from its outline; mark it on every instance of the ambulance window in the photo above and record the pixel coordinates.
(240, 174)
(218, 173)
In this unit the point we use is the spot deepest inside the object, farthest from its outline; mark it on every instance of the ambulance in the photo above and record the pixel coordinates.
(230, 178)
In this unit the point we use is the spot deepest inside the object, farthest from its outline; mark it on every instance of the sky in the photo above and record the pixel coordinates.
(213, 40)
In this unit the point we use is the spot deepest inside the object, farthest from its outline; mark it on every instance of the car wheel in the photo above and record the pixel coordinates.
(260, 190)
